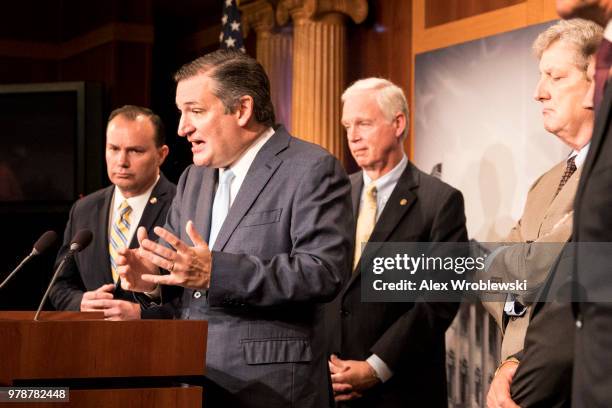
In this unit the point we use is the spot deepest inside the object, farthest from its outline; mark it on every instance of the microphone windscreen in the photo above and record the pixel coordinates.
(45, 242)
(81, 239)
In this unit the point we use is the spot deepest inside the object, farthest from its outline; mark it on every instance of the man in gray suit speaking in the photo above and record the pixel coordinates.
(259, 235)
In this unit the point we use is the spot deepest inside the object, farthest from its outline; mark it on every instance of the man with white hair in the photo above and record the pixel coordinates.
(390, 354)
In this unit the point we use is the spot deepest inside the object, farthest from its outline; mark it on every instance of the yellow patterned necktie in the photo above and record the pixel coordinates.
(118, 235)
(365, 221)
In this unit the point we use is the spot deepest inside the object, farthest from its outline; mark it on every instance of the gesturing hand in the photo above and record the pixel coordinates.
(131, 265)
(189, 266)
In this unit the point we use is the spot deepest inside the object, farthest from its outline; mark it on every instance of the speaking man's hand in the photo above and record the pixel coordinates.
(132, 264)
(189, 266)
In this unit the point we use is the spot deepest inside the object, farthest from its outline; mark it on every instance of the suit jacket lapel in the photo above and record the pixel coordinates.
(152, 209)
(356, 189)
(566, 196)
(401, 200)
(263, 167)
(205, 202)
(102, 224)
(397, 207)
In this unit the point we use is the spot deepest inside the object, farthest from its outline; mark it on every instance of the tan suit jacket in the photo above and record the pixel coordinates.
(545, 219)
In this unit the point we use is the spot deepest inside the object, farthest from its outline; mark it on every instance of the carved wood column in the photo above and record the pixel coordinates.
(319, 49)
(274, 52)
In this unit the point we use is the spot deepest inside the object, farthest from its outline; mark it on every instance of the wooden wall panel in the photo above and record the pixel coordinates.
(498, 21)
(30, 20)
(445, 11)
(83, 16)
(27, 70)
(381, 46)
(133, 82)
(96, 65)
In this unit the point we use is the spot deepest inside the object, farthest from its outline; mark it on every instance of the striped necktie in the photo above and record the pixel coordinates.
(570, 169)
(365, 221)
(118, 235)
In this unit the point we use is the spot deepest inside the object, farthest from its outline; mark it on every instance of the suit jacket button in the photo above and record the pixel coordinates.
(197, 294)
(344, 312)
(579, 322)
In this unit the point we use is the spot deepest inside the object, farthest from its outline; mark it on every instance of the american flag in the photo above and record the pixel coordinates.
(231, 28)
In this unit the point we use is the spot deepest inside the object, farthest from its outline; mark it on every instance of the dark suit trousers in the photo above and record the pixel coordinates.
(544, 376)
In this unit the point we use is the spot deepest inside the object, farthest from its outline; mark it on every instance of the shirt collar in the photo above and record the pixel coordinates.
(580, 155)
(389, 179)
(241, 166)
(136, 201)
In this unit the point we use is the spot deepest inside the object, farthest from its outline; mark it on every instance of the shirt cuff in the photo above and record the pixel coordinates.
(155, 294)
(513, 307)
(383, 372)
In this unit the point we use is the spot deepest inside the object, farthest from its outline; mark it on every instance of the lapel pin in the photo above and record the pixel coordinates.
(403, 201)
(153, 200)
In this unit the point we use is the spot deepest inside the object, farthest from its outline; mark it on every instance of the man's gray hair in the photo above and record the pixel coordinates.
(390, 97)
(235, 74)
(584, 34)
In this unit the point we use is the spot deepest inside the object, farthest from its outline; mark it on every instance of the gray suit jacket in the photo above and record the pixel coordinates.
(284, 249)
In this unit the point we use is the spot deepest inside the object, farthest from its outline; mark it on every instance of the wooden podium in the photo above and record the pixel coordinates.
(146, 363)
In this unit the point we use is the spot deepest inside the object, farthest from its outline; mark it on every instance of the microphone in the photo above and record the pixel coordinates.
(79, 241)
(43, 243)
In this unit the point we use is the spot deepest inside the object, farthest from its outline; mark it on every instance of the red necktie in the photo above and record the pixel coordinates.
(603, 61)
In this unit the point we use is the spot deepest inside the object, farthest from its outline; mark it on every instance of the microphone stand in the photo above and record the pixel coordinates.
(53, 279)
(26, 259)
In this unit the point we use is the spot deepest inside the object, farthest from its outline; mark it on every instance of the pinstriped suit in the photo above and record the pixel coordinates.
(282, 251)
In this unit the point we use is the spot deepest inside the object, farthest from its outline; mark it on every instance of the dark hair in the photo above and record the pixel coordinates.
(235, 74)
(131, 112)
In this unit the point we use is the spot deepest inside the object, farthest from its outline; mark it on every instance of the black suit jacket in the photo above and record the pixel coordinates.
(408, 337)
(593, 271)
(90, 268)
(544, 376)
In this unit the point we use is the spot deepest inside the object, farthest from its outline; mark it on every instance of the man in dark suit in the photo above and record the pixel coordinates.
(139, 196)
(259, 235)
(592, 375)
(390, 354)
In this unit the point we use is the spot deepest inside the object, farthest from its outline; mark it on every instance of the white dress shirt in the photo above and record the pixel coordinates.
(241, 166)
(384, 188)
(137, 203)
